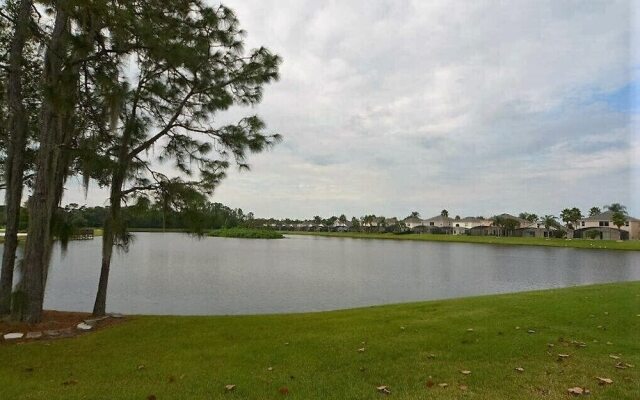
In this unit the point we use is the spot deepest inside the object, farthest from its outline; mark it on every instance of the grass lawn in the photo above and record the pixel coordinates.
(577, 243)
(411, 348)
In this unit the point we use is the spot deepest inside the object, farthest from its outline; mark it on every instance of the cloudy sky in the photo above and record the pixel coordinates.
(479, 107)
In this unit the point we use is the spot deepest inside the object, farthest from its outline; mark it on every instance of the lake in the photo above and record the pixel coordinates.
(173, 273)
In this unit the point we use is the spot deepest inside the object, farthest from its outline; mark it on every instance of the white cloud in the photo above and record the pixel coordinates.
(479, 107)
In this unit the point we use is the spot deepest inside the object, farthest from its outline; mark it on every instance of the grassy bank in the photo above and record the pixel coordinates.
(246, 233)
(575, 243)
(411, 348)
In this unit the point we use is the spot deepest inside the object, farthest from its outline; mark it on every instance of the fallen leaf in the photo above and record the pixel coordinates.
(361, 350)
(151, 397)
(531, 331)
(270, 369)
(519, 369)
(464, 387)
(465, 372)
(229, 388)
(430, 383)
(383, 389)
(470, 330)
(576, 391)
(431, 356)
(70, 382)
(614, 356)
(141, 366)
(604, 381)
(443, 385)
(172, 379)
(563, 355)
(284, 390)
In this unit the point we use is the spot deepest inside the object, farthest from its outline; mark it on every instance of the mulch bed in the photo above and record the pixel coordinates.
(56, 324)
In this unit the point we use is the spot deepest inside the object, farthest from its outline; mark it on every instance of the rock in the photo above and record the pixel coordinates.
(443, 385)
(116, 315)
(34, 335)
(520, 369)
(52, 332)
(604, 381)
(531, 331)
(361, 350)
(84, 327)
(67, 332)
(465, 372)
(92, 321)
(13, 336)
(229, 388)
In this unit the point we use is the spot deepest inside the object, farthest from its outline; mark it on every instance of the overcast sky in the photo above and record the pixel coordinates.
(479, 107)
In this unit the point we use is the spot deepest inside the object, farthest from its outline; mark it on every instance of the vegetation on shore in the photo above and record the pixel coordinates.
(506, 240)
(246, 233)
(410, 348)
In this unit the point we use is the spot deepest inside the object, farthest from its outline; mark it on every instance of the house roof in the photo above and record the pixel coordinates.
(605, 216)
(439, 218)
(412, 220)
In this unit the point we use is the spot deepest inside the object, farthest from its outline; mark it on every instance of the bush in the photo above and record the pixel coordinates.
(246, 233)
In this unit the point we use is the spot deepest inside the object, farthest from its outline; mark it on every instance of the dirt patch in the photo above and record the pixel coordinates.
(57, 324)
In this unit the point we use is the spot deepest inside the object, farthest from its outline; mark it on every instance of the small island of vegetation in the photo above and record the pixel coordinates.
(246, 233)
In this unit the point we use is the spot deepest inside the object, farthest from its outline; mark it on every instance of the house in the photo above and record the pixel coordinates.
(339, 226)
(412, 222)
(603, 224)
(461, 226)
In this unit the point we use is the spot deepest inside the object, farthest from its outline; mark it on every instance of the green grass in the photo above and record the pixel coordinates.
(315, 355)
(576, 243)
(246, 233)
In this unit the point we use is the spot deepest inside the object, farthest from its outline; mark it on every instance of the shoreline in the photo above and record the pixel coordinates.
(628, 245)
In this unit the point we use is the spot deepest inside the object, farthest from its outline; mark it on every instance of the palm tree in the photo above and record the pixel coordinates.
(616, 207)
(444, 213)
(549, 221)
(414, 214)
(594, 211)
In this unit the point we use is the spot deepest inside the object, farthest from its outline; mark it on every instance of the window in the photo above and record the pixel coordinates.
(626, 223)
(457, 225)
(582, 223)
(432, 223)
(604, 223)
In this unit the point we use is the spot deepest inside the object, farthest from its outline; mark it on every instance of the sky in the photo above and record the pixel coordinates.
(483, 107)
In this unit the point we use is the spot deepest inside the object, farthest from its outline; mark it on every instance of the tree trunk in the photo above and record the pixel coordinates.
(18, 132)
(100, 305)
(45, 193)
(110, 224)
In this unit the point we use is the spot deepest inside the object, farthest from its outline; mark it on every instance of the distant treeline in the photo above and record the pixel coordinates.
(206, 217)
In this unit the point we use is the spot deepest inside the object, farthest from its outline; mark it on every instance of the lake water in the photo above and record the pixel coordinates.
(174, 273)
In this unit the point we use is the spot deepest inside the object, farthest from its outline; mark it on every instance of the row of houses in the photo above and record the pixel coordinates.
(600, 226)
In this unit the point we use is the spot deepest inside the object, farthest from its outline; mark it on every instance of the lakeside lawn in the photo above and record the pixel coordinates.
(574, 243)
(410, 348)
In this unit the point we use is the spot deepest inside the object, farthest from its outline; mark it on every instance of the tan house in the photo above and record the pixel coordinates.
(604, 222)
